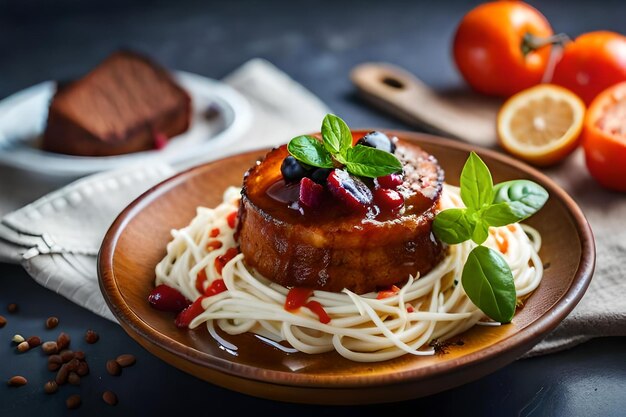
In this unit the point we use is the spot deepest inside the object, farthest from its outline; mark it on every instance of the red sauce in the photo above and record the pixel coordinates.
(232, 219)
(214, 232)
(184, 317)
(409, 308)
(215, 288)
(200, 278)
(317, 308)
(296, 298)
(222, 260)
(387, 292)
(213, 244)
(502, 242)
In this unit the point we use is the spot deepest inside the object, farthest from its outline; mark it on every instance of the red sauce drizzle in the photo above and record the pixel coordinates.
(213, 244)
(214, 232)
(387, 292)
(232, 219)
(222, 260)
(502, 242)
(215, 288)
(296, 298)
(200, 278)
(184, 317)
(317, 308)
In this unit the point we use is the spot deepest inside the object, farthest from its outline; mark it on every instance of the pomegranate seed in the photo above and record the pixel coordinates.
(311, 194)
(388, 199)
(350, 190)
(166, 298)
(390, 181)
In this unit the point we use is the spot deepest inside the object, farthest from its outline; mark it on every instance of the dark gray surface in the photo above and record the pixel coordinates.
(317, 43)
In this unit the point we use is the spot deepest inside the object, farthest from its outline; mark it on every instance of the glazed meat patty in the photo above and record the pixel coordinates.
(333, 248)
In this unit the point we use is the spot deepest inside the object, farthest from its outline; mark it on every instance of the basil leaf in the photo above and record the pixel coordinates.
(371, 162)
(476, 183)
(524, 197)
(501, 214)
(310, 151)
(481, 231)
(452, 226)
(336, 134)
(488, 282)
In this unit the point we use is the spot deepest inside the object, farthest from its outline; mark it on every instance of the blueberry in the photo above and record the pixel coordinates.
(320, 175)
(378, 140)
(292, 170)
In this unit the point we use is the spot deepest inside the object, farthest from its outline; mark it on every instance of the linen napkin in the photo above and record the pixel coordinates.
(57, 237)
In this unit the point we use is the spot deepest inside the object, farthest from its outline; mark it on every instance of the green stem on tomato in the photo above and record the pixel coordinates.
(532, 42)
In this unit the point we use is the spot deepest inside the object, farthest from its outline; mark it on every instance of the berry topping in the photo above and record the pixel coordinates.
(166, 298)
(320, 175)
(292, 170)
(390, 181)
(350, 190)
(388, 199)
(378, 140)
(311, 194)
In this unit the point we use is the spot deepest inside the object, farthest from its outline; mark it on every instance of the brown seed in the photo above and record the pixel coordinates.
(73, 378)
(126, 360)
(23, 347)
(91, 337)
(53, 366)
(80, 355)
(109, 397)
(3, 322)
(73, 365)
(12, 308)
(73, 401)
(83, 369)
(113, 367)
(34, 341)
(63, 341)
(17, 381)
(52, 322)
(49, 348)
(55, 359)
(67, 355)
(50, 387)
(62, 375)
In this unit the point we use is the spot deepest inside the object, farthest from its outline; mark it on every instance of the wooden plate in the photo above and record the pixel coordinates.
(136, 242)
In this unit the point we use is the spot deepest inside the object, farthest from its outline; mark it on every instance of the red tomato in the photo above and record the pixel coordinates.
(494, 52)
(604, 138)
(592, 63)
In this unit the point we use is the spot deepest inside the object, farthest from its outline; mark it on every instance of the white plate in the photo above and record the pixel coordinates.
(23, 118)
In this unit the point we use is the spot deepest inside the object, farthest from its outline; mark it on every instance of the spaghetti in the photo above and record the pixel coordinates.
(362, 327)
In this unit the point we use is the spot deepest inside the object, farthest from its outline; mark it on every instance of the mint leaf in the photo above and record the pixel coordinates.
(488, 282)
(369, 162)
(525, 197)
(336, 134)
(310, 151)
(476, 183)
(453, 226)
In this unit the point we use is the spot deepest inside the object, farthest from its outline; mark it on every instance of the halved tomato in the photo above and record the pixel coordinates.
(604, 138)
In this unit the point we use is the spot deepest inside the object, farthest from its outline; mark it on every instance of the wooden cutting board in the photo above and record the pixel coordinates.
(460, 114)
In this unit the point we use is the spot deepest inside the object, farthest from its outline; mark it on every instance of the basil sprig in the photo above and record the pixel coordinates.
(335, 149)
(487, 278)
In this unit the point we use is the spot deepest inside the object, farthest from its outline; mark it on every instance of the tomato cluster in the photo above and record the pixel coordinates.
(504, 47)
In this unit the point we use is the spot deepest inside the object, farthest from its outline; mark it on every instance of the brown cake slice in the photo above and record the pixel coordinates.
(121, 106)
